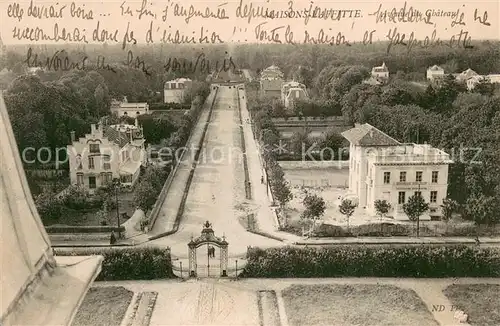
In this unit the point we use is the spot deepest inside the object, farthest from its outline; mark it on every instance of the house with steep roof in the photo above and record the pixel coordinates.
(175, 90)
(465, 75)
(381, 73)
(106, 154)
(435, 72)
(380, 167)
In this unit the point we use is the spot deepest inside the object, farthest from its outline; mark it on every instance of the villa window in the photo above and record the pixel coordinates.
(387, 177)
(91, 163)
(107, 162)
(434, 195)
(434, 177)
(418, 176)
(92, 183)
(418, 193)
(94, 148)
(401, 197)
(79, 179)
(173, 85)
(181, 86)
(402, 176)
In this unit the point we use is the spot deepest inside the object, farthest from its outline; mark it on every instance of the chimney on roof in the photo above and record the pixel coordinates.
(72, 133)
(92, 129)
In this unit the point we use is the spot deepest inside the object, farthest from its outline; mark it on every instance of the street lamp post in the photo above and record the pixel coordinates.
(180, 263)
(117, 185)
(236, 268)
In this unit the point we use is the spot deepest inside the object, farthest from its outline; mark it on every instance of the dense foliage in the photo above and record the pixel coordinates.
(348, 261)
(149, 186)
(130, 263)
(46, 107)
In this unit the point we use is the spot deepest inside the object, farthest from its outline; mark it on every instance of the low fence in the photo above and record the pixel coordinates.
(301, 119)
(163, 193)
(83, 229)
(248, 185)
(182, 205)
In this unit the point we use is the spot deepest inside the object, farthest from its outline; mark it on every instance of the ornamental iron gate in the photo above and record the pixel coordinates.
(208, 238)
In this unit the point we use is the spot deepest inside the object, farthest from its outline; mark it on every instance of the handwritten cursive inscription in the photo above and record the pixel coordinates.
(201, 64)
(59, 61)
(137, 63)
(404, 14)
(460, 40)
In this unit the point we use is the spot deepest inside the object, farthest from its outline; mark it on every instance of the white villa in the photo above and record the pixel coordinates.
(381, 167)
(292, 91)
(174, 90)
(126, 109)
(435, 72)
(381, 72)
(103, 155)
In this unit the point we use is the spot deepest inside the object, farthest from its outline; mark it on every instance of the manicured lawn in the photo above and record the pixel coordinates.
(357, 304)
(481, 302)
(104, 306)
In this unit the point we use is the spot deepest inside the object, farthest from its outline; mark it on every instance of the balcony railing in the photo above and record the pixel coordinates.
(410, 183)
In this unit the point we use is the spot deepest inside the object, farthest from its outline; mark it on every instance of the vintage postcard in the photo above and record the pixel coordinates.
(244, 162)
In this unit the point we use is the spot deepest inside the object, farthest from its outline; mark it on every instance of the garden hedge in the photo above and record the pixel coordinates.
(130, 263)
(345, 261)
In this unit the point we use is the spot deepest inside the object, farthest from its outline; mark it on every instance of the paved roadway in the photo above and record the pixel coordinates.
(217, 192)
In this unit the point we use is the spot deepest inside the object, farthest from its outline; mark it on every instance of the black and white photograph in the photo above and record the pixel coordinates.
(263, 163)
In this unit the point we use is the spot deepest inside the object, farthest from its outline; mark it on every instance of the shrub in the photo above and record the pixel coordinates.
(130, 263)
(348, 261)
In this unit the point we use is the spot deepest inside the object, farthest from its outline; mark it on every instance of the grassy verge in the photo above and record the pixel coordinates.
(104, 306)
(479, 301)
(354, 305)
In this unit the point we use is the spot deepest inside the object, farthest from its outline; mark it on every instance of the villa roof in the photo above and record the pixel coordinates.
(435, 68)
(118, 137)
(382, 68)
(367, 135)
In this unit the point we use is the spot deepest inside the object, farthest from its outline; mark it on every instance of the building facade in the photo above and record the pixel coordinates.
(382, 168)
(291, 92)
(175, 90)
(125, 109)
(381, 72)
(271, 82)
(106, 154)
(435, 72)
